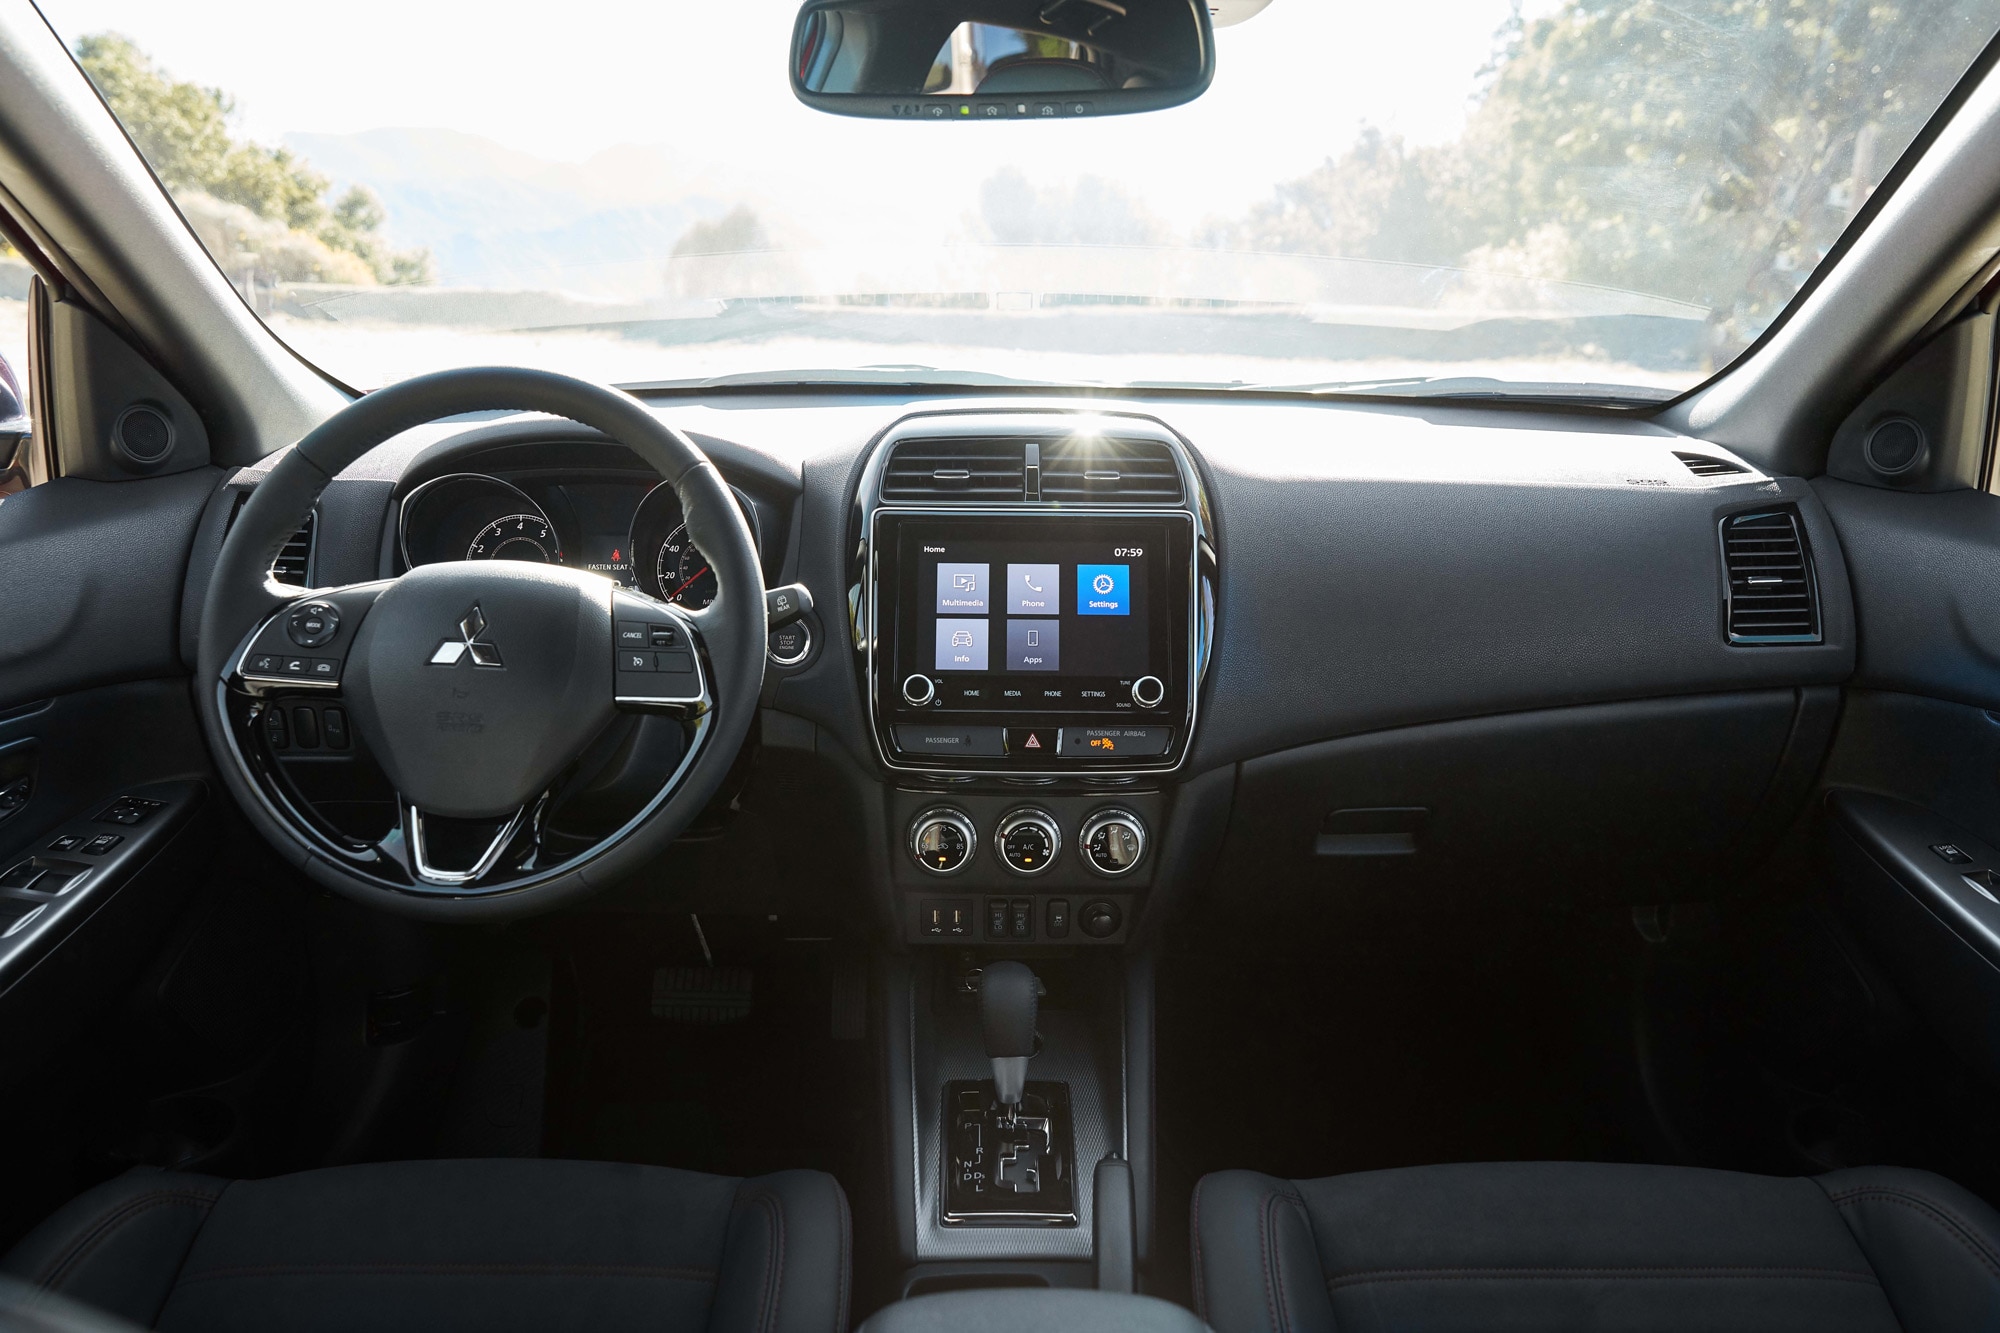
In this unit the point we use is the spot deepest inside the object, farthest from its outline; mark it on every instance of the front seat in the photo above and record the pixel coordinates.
(487, 1245)
(1550, 1246)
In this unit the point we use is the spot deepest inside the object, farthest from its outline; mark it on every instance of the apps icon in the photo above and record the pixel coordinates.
(1034, 590)
(964, 589)
(1034, 645)
(961, 645)
(1104, 590)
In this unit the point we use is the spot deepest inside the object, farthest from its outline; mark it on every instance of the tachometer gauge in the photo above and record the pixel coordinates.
(683, 572)
(515, 537)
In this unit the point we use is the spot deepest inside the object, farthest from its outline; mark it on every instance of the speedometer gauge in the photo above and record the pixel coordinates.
(515, 537)
(683, 572)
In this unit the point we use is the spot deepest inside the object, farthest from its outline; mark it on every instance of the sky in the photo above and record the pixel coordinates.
(1293, 85)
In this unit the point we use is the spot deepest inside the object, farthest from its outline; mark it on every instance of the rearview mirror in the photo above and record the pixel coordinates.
(1000, 59)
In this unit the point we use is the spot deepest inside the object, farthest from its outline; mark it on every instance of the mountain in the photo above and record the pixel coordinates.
(493, 216)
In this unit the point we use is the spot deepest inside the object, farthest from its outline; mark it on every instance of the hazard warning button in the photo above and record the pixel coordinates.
(1032, 740)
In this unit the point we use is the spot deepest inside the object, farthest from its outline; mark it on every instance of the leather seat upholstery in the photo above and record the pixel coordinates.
(489, 1245)
(1625, 1249)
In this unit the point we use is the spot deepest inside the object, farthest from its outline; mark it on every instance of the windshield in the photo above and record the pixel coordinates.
(1559, 197)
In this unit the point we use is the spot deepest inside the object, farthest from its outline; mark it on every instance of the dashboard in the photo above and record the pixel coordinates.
(1067, 656)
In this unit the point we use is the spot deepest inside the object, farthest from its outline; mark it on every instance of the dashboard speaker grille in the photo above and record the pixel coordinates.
(1110, 471)
(957, 469)
(1704, 466)
(1772, 597)
(296, 558)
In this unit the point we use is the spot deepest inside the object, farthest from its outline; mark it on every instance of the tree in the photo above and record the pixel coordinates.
(1707, 150)
(183, 132)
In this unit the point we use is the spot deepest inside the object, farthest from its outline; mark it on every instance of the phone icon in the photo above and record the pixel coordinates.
(1029, 579)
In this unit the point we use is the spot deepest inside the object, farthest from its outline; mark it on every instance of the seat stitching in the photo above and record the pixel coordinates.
(1264, 1261)
(774, 1258)
(448, 1270)
(840, 1203)
(102, 1228)
(1710, 1272)
(1951, 1224)
(1200, 1292)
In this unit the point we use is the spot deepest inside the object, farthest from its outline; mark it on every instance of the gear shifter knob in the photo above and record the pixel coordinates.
(1009, 998)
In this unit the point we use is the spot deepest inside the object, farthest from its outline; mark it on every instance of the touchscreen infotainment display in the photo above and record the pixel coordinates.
(1053, 616)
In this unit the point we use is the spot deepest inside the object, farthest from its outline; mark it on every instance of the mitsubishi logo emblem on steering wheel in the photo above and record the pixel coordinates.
(468, 641)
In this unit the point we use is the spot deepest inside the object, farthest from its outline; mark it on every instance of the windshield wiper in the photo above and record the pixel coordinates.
(1480, 386)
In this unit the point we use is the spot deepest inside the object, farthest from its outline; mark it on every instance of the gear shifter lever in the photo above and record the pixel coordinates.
(1009, 997)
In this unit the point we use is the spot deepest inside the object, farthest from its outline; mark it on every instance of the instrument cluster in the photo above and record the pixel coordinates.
(630, 530)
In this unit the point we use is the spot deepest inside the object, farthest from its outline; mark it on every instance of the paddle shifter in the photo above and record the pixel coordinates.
(1007, 1143)
(1009, 999)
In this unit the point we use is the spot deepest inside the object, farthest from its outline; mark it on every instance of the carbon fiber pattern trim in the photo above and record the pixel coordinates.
(947, 1046)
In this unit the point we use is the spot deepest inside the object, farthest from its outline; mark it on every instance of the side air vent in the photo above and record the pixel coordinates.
(1704, 466)
(1772, 597)
(292, 562)
(956, 469)
(1094, 470)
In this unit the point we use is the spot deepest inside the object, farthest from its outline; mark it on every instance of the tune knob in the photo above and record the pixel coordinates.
(918, 691)
(1027, 840)
(1112, 841)
(942, 840)
(1148, 691)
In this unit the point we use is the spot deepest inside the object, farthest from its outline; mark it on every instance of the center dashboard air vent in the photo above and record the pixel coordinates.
(957, 469)
(1772, 596)
(1099, 470)
(1061, 469)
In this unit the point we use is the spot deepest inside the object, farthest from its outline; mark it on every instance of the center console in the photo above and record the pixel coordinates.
(1033, 608)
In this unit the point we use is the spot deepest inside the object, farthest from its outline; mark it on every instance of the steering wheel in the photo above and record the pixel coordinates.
(475, 685)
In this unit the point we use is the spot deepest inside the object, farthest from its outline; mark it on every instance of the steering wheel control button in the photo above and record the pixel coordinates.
(675, 664)
(1027, 840)
(264, 664)
(1149, 691)
(918, 691)
(984, 742)
(325, 668)
(942, 839)
(1112, 841)
(1115, 742)
(312, 625)
(634, 634)
(661, 636)
(1100, 920)
(784, 605)
(631, 661)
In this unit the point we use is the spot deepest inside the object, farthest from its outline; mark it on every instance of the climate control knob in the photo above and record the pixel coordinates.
(1112, 841)
(1148, 691)
(1027, 840)
(918, 691)
(942, 839)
